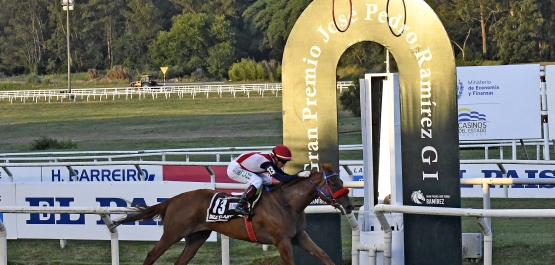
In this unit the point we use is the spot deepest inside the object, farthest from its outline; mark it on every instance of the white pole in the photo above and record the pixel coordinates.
(114, 247)
(514, 149)
(485, 222)
(366, 125)
(225, 249)
(114, 238)
(543, 90)
(68, 54)
(488, 240)
(387, 60)
(3, 244)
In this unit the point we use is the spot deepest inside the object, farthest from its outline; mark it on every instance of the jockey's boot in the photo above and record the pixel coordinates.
(243, 205)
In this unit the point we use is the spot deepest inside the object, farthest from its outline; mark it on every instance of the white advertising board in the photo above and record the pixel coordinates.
(100, 173)
(513, 171)
(488, 171)
(99, 194)
(499, 102)
(7, 198)
(21, 174)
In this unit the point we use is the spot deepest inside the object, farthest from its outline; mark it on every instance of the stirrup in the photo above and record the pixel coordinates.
(240, 208)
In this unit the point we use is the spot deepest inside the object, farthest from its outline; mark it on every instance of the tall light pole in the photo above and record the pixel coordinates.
(67, 5)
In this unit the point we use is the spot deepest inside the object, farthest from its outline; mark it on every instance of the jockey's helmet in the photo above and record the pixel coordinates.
(282, 152)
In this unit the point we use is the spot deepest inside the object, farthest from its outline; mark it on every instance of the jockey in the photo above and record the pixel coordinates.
(257, 169)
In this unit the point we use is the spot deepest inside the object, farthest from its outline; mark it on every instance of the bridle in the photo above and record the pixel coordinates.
(330, 195)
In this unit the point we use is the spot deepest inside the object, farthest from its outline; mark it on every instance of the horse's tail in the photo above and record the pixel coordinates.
(145, 213)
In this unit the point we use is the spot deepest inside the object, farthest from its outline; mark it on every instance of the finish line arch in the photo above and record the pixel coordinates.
(429, 127)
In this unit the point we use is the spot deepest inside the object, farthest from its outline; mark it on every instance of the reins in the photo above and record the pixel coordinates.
(330, 196)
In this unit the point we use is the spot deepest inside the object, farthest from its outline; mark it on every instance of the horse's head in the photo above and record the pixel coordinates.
(330, 188)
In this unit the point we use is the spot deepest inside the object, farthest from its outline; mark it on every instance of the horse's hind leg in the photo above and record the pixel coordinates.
(305, 242)
(192, 243)
(166, 241)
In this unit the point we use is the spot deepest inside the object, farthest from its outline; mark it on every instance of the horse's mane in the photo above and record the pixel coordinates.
(326, 168)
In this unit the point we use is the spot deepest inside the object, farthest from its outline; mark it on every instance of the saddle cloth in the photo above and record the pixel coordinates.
(222, 207)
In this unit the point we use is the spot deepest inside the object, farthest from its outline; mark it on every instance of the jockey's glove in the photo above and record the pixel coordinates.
(303, 174)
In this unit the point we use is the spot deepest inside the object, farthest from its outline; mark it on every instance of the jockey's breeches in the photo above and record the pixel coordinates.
(237, 173)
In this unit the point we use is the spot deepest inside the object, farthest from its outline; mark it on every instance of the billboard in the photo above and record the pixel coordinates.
(486, 171)
(499, 102)
(86, 226)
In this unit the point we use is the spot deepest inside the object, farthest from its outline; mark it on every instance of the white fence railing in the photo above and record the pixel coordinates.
(49, 95)
(108, 157)
(104, 213)
(217, 152)
(512, 145)
(483, 216)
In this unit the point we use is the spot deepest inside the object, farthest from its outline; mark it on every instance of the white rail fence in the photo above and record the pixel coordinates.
(539, 145)
(483, 218)
(219, 152)
(105, 212)
(110, 158)
(192, 90)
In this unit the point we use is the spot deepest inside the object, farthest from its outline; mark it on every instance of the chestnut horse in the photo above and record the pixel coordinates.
(278, 219)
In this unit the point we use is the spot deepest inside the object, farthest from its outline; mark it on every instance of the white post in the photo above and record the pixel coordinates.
(543, 91)
(488, 240)
(114, 238)
(114, 244)
(225, 249)
(387, 60)
(68, 54)
(63, 243)
(368, 169)
(504, 174)
(3, 244)
(67, 5)
(484, 223)
(514, 149)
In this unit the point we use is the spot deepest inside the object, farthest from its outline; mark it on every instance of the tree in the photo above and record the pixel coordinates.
(24, 35)
(220, 58)
(518, 36)
(274, 20)
(547, 9)
(189, 41)
(142, 27)
(477, 14)
(350, 99)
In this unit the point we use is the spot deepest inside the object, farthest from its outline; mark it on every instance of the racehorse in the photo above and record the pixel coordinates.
(278, 218)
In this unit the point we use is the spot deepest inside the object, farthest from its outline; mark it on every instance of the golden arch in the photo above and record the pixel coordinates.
(416, 38)
(315, 46)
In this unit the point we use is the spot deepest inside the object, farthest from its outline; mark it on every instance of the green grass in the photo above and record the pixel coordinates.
(517, 241)
(155, 123)
(144, 124)
(45, 252)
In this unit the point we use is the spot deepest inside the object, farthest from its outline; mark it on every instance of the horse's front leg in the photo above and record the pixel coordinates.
(305, 242)
(285, 251)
